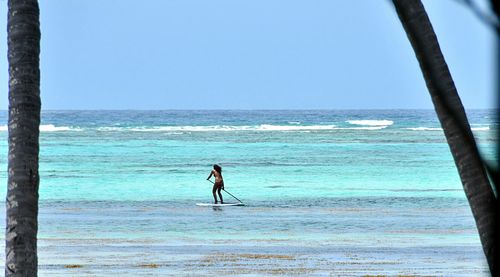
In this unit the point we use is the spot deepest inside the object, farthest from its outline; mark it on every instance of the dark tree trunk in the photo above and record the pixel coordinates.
(496, 171)
(495, 5)
(451, 114)
(23, 32)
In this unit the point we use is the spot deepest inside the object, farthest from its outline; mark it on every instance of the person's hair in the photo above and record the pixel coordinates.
(218, 168)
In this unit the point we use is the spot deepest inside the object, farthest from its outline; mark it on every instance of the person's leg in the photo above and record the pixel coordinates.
(213, 192)
(220, 194)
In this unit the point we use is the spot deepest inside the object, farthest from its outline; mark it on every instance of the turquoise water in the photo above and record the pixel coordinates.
(337, 190)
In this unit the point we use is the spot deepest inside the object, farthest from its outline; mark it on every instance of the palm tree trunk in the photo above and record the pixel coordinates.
(495, 5)
(24, 121)
(496, 171)
(451, 114)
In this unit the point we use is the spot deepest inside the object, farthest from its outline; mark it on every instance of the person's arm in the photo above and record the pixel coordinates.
(210, 176)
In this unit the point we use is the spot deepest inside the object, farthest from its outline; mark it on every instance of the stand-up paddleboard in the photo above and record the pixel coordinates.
(219, 205)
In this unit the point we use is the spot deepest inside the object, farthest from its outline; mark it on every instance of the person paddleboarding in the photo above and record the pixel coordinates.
(218, 184)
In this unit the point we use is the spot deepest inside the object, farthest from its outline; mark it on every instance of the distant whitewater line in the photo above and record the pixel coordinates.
(424, 129)
(224, 128)
(368, 125)
(487, 128)
(371, 122)
(220, 128)
(214, 128)
(47, 128)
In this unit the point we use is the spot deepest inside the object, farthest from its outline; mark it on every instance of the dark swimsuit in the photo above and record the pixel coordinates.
(219, 184)
(217, 188)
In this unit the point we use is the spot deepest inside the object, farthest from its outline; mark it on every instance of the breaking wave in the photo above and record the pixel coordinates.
(220, 128)
(53, 128)
(487, 128)
(369, 125)
(227, 128)
(48, 128)
(425, 129)
(371, 122)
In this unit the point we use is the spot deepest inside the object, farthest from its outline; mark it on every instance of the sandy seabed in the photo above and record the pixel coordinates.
(128, 258)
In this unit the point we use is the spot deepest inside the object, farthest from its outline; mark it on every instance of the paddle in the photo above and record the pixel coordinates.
(227, 192)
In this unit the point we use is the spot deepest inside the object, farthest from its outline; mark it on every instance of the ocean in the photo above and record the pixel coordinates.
(327, 192)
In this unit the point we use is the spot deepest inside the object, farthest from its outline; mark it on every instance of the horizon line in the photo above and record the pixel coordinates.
(260, 109)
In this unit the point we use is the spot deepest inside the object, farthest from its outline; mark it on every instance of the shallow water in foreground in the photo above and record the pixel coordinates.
(328, 193)
(342, 236)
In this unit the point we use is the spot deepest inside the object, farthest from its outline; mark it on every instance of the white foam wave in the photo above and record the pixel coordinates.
(110, 129)
(425, 129)
(185, 129)
(220, 128)
(53, 128)
(226, 128)
(267, 127)
(487, 128)
(47, 128)
(364, 128)
(371, 122)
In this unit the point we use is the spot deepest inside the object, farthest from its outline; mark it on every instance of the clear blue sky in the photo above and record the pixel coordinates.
(249, 54)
